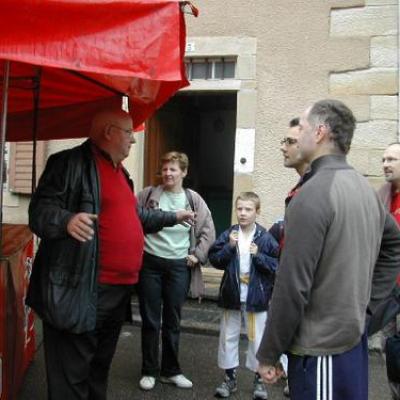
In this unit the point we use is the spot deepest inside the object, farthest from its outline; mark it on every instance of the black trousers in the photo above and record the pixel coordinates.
(77, 365)
(163, 284)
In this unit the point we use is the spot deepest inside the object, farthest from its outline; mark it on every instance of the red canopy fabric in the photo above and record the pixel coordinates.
(129, 47)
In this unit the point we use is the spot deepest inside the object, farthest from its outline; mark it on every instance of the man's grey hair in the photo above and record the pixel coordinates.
(338, 118)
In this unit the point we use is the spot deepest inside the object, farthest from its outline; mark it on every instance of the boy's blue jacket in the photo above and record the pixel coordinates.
(262, 270)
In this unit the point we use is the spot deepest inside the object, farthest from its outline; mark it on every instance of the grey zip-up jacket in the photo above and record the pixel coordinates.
(341, 253)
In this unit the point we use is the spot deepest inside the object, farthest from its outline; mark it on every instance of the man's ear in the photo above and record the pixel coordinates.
(107, 132)
(323, 132)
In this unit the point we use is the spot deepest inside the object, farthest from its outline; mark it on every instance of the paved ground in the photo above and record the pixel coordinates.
(198, 360)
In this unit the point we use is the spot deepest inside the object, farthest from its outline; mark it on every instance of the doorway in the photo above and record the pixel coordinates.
(202, 125)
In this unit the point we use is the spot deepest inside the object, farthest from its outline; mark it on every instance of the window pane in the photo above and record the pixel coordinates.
(229, 70)
(187, 67)
(209, 70)
(199, 71)
(218, 70)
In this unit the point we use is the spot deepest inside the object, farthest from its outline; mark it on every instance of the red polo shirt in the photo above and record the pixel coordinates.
(120, 230)
(395, 211)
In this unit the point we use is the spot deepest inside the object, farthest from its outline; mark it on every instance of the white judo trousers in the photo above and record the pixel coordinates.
(231, 324)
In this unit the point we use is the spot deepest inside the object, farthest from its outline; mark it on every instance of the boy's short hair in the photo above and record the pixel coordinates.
(173, 156)
(249, 196)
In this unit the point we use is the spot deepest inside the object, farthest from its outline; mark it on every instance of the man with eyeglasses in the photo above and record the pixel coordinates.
(292, 158)
(91, 229)
(290, 149)
(340, 259)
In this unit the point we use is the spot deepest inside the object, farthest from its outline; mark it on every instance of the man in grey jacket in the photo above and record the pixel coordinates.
(340, 257)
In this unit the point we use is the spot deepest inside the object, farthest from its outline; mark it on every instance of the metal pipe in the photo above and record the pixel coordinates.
(89, 79)
(36, 101)
(3, 128)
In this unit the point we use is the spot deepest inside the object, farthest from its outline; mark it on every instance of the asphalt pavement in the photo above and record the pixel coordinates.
(198, 355)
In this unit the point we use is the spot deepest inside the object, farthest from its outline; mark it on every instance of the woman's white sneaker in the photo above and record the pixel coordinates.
(179, 381)
(147, 382)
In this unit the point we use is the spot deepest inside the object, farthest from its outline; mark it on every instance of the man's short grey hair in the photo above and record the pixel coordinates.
(338, 118)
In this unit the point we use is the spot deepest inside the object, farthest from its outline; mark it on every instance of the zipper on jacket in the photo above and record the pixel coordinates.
(257, 234)
(93, 277)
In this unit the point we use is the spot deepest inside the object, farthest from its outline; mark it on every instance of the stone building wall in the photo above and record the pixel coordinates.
(373, 89)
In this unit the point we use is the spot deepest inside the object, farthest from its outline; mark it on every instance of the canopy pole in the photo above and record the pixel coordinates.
(36, 100)
(3, 127)
(100, 84)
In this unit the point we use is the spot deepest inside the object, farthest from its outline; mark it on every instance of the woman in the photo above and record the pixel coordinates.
(171, 263)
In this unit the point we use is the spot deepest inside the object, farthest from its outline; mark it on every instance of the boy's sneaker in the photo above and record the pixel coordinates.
(227, 387)
(259, 389)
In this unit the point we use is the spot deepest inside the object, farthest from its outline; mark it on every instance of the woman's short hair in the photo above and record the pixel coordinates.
(175, 156)
(249, 196)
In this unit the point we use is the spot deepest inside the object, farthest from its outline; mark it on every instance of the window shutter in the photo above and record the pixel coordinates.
(20, 165)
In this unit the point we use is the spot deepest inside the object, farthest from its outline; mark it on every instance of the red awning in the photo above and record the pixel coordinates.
(86, 54)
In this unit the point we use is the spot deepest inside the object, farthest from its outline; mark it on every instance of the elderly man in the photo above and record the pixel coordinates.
(89, 258)
(337, 237)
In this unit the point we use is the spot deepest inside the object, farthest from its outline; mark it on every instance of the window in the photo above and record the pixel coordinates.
(20, 165)
(210, 68)
(5, 165)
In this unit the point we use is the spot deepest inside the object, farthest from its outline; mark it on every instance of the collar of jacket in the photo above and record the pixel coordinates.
(259, 230)
(330, 161)
(385, 193)
(90, 149)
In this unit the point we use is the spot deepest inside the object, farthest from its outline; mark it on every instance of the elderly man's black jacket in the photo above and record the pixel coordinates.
(63, 287)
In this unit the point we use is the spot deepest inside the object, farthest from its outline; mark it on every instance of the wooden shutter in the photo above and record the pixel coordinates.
(20, 165)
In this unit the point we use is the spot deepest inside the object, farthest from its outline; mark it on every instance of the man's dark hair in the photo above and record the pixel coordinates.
(294, 122)
(338, 118)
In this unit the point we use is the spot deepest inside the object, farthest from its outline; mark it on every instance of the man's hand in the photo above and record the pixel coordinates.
(192, 260)
(253, 249)
(185, 217)
(233, 238)
(269, 373)
(80, 226)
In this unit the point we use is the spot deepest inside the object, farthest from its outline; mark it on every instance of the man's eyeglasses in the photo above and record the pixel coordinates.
(129, 132)
(288, 141)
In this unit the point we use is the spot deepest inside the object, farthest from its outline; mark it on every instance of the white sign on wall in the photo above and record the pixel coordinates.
(244, 150)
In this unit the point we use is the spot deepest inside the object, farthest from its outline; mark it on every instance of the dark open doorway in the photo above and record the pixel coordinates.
(203, 126)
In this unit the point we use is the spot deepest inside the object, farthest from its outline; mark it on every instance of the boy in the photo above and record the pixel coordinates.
(248, 255)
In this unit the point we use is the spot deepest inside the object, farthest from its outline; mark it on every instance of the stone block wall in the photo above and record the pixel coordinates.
(371, 91)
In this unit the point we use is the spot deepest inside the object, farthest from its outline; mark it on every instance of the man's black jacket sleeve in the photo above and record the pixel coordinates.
(153, 220)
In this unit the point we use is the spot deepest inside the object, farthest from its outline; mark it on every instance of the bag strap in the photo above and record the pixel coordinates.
(148, 196)
(190, 199)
